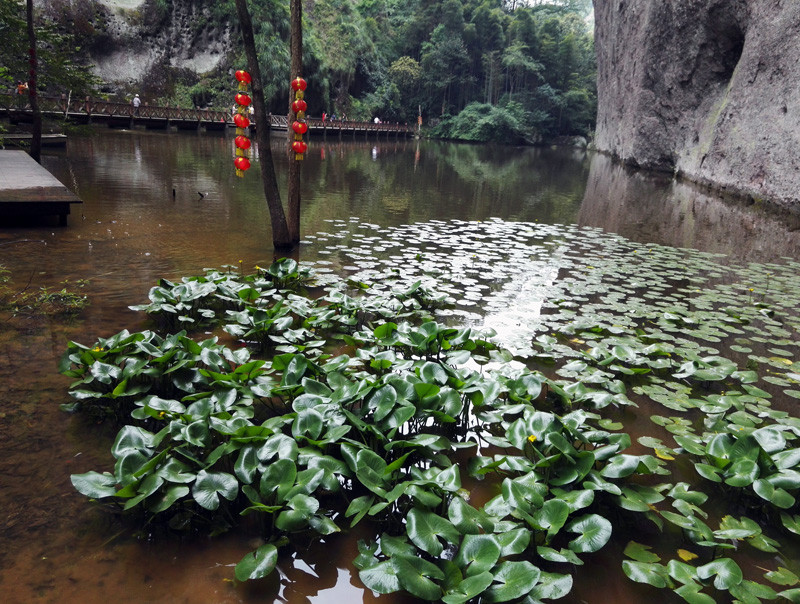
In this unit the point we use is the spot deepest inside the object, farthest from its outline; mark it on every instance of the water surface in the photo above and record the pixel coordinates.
(163, 206)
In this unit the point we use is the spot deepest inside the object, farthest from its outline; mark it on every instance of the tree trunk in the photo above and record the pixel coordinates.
(36, 141)
(296, 52)
(280, 231)
(488, 86)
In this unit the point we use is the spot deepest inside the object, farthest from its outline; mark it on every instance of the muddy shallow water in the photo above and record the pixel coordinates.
(159, 205)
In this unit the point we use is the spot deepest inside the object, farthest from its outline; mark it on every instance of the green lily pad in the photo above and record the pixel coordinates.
(725, 571)
(595, 531)
(513, 580)
(257, 564)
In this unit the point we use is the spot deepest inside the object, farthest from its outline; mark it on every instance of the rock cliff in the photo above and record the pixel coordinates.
(141, 40)
(707, 89)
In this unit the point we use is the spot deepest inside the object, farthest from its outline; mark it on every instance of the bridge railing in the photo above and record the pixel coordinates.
(67, 106)
(347, 125)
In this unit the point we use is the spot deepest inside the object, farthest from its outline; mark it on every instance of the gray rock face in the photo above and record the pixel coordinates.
(143, 41)
(709, 89)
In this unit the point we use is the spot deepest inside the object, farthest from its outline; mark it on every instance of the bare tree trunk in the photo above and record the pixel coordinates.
(36, 141)
(487, 85)
(296, 51)
(280, 231)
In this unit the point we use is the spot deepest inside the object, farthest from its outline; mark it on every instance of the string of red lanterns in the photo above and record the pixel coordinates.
(299, 126)
(240, 119)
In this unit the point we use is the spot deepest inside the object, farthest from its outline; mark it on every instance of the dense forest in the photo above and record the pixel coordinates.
(482, 70)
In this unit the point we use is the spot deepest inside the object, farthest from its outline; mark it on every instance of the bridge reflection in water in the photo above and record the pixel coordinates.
(89, 110)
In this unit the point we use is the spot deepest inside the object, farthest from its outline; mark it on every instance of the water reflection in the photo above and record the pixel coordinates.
(169, 205)
(647, 207)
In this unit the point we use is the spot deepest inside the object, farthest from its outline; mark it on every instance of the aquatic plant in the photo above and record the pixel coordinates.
(362, 406)
(44, 300)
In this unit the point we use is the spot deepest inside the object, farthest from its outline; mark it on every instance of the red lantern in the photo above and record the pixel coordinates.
(241, 163)
(243, 76)
(298, 84)
(299, 147)
(242, 142)
(299, 106)
(242, 99)
(300, 127)
(241, 121)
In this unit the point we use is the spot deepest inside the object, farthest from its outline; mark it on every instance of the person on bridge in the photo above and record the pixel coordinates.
(136, 102)
(22, 89)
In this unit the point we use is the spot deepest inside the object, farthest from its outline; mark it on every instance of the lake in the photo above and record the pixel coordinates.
(485, 221)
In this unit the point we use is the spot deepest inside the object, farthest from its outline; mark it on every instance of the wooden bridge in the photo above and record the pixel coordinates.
(123, 115)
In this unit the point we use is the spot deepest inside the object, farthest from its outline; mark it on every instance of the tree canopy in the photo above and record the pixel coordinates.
(61, 63)
(499, 70)
(475, 69)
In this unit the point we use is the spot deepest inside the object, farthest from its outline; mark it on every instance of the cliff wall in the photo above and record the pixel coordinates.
(138, 42)
(707, 89)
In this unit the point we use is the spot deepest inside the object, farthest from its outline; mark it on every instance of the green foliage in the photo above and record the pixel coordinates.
(309, 440)
(488, 123)
(61, 65)
(210, 432)
(390, 59)
(472, 54)
(15, 36)
(362, 59)
(405, 73)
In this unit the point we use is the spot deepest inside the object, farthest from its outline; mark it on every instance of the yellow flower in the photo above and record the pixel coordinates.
(532, 438)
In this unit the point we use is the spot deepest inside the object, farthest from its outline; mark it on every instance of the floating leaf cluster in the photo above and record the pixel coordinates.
(378, 401)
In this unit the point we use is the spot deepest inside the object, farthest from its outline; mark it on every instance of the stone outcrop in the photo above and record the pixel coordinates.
(707, 89)
(141, 40)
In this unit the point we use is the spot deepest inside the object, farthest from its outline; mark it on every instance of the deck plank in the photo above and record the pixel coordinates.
(27, 188)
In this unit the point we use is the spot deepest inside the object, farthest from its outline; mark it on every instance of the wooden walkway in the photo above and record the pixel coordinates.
(28, 189)
(122, 115)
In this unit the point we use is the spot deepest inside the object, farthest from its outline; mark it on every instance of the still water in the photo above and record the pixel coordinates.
(158, 205)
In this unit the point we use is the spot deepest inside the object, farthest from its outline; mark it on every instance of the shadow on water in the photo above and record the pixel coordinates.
(158, 206)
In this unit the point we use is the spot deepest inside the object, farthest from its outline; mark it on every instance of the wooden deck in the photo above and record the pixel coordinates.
(28, 189)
